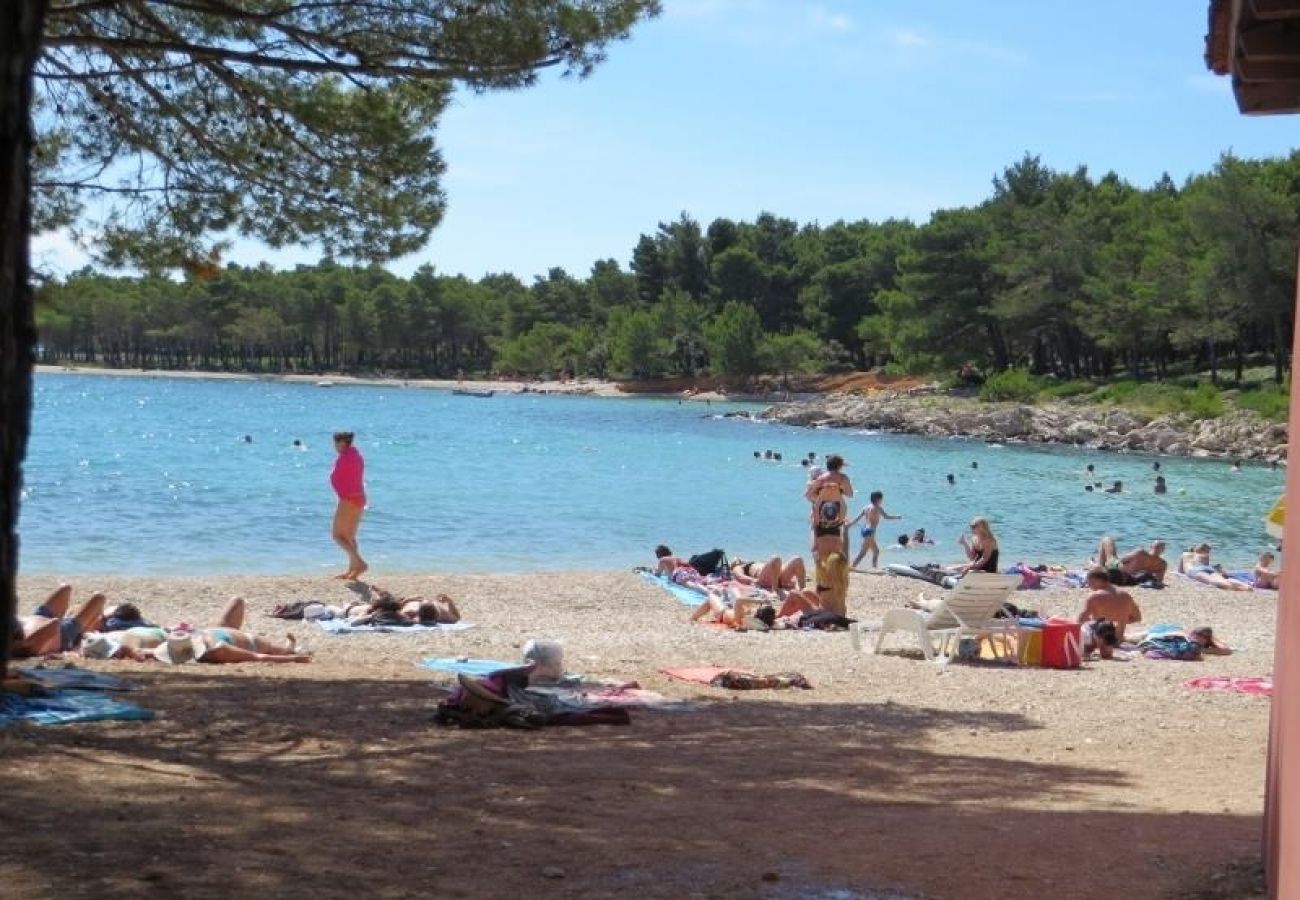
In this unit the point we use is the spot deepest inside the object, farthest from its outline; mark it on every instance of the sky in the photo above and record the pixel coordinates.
(816, 111)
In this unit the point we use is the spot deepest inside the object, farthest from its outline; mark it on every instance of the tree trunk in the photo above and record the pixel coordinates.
(21, 24)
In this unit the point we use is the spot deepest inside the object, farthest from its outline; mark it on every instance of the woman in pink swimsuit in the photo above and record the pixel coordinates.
(348, 481)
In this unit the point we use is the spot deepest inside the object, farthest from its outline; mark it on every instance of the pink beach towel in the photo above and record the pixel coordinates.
(1239, 685)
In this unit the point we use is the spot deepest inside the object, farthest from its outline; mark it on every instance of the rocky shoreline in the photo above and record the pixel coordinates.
(1238, 435)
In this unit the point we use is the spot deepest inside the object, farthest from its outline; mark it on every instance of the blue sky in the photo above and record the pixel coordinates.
(817, 111)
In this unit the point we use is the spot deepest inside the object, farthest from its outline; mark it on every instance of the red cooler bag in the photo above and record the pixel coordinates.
(1062, 645)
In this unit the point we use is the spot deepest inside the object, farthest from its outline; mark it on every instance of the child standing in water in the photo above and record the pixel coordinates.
(348, 481)
(874, 515)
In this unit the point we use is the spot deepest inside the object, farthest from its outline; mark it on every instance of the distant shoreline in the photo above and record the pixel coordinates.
(585, 387)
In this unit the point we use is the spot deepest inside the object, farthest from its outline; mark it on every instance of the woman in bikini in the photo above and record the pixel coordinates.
(773, 574)
(50, 629)
(1196, 565)
(981, 548)
(224, 642)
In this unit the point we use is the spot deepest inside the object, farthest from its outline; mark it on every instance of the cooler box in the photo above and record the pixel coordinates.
(1029, 646)
(1062, 645)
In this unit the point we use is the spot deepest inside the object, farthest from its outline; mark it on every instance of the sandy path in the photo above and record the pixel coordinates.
(892, 778)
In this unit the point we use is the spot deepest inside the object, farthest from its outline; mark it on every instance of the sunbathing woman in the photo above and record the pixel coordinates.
(50, 630)
(736, 605)
(772, 574)
(225, 642)
(1195, 564)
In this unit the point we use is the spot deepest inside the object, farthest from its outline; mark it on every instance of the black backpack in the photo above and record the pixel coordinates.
(712, 563)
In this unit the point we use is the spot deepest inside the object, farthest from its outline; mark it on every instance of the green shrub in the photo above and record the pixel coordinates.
(1118, 392)
(1202, 402)
(1063, 390)
(1269, 402)
(1013, 384)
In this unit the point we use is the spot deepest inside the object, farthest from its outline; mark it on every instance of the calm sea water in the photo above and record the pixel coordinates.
(152, 476)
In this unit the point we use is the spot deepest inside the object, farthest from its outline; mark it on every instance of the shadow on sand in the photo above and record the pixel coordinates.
(285, 787)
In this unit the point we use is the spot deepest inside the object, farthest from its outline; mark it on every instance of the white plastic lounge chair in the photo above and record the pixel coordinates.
(966, 612)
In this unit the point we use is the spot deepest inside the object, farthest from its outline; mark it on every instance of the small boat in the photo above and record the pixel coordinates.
(324, 384)
(470, 392)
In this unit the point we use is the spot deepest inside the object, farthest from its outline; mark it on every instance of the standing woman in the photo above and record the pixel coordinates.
(348, 481)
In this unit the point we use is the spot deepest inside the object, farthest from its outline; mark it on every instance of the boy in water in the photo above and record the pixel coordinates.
(873, 514)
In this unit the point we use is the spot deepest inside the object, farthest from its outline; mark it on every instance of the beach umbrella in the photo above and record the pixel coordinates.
(1275, 521)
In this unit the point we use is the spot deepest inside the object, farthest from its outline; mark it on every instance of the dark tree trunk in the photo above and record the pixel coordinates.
(21, 23)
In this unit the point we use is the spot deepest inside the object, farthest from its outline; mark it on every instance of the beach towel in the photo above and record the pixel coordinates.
(66, 708)
(683, 595)
(698, 674)
(467, 666)
(339, 626)
(1262, 687)
(72, 677)
(736, 679)
(617, 696)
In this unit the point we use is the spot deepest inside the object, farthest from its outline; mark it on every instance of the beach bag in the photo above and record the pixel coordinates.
(1029, 646)
(712, 563)
(830, 514)
(1062, 645)
(825, 620)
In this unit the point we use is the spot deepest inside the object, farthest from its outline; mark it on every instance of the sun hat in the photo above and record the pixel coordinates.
(179, 648)
(99, 646)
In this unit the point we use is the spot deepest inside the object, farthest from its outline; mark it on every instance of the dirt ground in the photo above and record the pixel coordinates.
(892, 778)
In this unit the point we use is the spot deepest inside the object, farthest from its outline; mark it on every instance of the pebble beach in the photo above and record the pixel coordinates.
(1185, 768)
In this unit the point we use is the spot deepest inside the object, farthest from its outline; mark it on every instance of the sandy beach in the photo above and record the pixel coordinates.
(327, 779)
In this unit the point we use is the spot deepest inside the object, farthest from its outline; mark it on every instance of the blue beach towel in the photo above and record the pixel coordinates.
(339, 626)
(66, 708)
(83, 679)
(466, 666)
(684, 595)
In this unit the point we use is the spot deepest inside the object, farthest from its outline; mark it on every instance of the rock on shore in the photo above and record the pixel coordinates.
(1239, 434)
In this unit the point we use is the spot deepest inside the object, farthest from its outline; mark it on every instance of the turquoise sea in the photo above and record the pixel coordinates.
(130, 475)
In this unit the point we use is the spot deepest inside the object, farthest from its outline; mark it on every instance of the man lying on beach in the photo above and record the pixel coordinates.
(224, 642)
(1196, 565)
(1138, 566)
(50, 630)
(1106, 604)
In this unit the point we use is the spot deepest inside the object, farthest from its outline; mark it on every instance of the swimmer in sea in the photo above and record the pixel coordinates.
(1161, 487)
(873, 515)
(952, 479)
(1116, 488)
(348, 481)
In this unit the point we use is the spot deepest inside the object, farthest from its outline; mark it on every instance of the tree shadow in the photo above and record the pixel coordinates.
(293, 787)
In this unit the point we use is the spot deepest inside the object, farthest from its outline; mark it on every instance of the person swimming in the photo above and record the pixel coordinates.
(1116, 488)
(1161, 487)
(952, 479)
